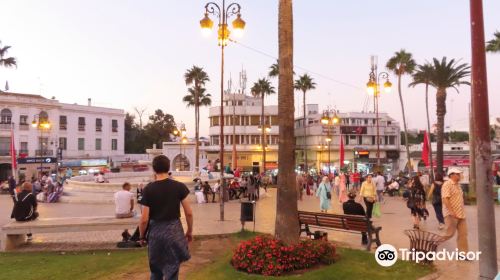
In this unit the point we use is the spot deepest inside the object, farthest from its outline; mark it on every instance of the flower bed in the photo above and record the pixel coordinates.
(268, 256)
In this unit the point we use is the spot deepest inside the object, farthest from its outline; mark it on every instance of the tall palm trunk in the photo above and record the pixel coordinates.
(197, 128)
(429, 129)
(263, 134)
(287, 223)
(304, 143)
(440, 113)
(407, 145)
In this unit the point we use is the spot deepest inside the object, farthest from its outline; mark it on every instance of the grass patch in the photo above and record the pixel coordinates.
(71, 265)
(353, 264)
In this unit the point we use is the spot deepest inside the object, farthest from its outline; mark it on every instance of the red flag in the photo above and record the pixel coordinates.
(425, 149)
(13, 151)
(341, 152)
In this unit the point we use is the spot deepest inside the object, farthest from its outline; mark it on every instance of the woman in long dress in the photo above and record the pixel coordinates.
(342, 189)
(323, 189)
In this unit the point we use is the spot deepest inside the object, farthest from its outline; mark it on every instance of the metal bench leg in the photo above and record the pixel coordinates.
(12, 241)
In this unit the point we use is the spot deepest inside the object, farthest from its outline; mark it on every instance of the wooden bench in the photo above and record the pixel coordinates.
(14, 233)
(348, 223)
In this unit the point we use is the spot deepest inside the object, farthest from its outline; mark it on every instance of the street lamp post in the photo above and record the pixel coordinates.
(329, 119)
(373, 88)
(267, 129)
(222, 13)
(41, 123)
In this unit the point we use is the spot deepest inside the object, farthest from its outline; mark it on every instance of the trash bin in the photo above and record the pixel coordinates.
(423, 241)
(246, 211)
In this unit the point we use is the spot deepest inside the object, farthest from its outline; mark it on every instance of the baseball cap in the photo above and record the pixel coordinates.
(454, 170)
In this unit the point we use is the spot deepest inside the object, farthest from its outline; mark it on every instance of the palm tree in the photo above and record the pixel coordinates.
(445, 75)
(287, 222)
(274, 70)
(494, 44)
(197, 77)
(423, 75)
(6, 61)
(304, 83)
(261, 88)
(402, 63)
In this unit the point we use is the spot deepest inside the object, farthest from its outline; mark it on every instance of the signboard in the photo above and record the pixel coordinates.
(353, 130)
(28, 160)
(85, 163)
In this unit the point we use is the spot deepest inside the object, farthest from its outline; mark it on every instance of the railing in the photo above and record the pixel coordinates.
(81, 127)
(23, 152)
(43, 153)
(4, 153)
(24, 126)
(5, 126)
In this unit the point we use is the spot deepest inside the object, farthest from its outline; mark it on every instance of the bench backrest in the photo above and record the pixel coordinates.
(346, 222)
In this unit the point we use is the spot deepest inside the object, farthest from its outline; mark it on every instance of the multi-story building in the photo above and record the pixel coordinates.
(358, 131)
(242, 117)
(54, 132)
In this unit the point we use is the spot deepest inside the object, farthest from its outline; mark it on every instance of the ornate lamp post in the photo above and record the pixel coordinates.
(42, 123)
(267, 129)
(222, 13)
(373, 88)
(329, 119)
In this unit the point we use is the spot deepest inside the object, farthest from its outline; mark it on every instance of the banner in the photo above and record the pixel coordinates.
(13, 152)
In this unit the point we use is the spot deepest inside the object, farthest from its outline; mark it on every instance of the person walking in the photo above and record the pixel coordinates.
(356, 178)
(453, 210)
(435, 197)
(351, 207)
(416, 201)
(368, 194)
(347, 180)
(336, 185)
(325, 195)
(342, 188)
(380, 184)
(167, 243)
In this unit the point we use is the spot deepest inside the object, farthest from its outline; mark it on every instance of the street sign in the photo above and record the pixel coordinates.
(36, 160)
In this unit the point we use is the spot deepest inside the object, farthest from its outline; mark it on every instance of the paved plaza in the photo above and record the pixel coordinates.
(395, 218)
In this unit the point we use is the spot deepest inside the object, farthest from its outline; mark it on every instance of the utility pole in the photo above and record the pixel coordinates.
(482, 147)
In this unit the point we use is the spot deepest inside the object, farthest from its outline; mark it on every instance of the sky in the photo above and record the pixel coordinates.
(128, 53)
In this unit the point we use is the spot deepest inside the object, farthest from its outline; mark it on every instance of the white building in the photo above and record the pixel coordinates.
(359, 133)
(80, 135)
(244, 112)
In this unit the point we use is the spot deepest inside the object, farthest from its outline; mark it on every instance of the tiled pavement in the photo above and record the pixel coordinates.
(395, 218)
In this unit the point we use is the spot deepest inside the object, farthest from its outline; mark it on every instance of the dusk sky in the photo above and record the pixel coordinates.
(126, 53)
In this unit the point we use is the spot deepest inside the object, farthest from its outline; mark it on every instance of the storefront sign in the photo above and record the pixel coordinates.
(353, 130)
(29, 160)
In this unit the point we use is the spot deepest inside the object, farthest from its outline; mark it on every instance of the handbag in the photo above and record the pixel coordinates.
(328, 195)
(376, 210)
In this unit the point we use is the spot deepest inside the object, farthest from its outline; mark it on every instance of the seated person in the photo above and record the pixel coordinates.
(124, 202)
(393, 187)
(351, 207)
(100, 178)
(207, 190)
(234, 186)
(25, 204)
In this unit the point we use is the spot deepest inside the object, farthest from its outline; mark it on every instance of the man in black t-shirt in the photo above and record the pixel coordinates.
(167, 243)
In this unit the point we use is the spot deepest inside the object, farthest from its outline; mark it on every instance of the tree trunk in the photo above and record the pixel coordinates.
(197, 129)
(431, 164)
(440, 113)
(287, 223)
(407, 145)
(304, 143)
(263, 134)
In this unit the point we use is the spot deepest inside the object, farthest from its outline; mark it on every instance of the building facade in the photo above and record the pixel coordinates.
(67, 134)
(358, 131)
(242, 117)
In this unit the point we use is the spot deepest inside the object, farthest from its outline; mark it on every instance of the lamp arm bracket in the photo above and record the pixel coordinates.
(232, 9)
(214, 9)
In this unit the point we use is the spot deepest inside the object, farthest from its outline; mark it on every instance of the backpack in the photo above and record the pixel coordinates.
(23, 210)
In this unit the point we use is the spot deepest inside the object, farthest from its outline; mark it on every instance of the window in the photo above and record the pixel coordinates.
(98, 125)
(63, 122)
(24, 148)
(214, 121)
(5, 116)
(114, 125)
(81, 125)
(254, 120)
(214, 140)
(43, 117)
(98, 144)
(373, 140)
(63, 143)
(81, 144)
(255, 139)
(392, 140)
(366, 121)
(23, 119)
(114, 144)
(4, 146)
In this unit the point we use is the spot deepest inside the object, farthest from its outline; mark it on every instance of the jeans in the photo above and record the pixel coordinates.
(380, 195)
(438, 208)
(157, 274)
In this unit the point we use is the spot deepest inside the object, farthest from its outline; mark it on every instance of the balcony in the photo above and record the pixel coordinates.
(44, 153)
(23, 152)
(24, 126)
(4, 153)
(5, 126)
(81, 127)
(98, 128)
